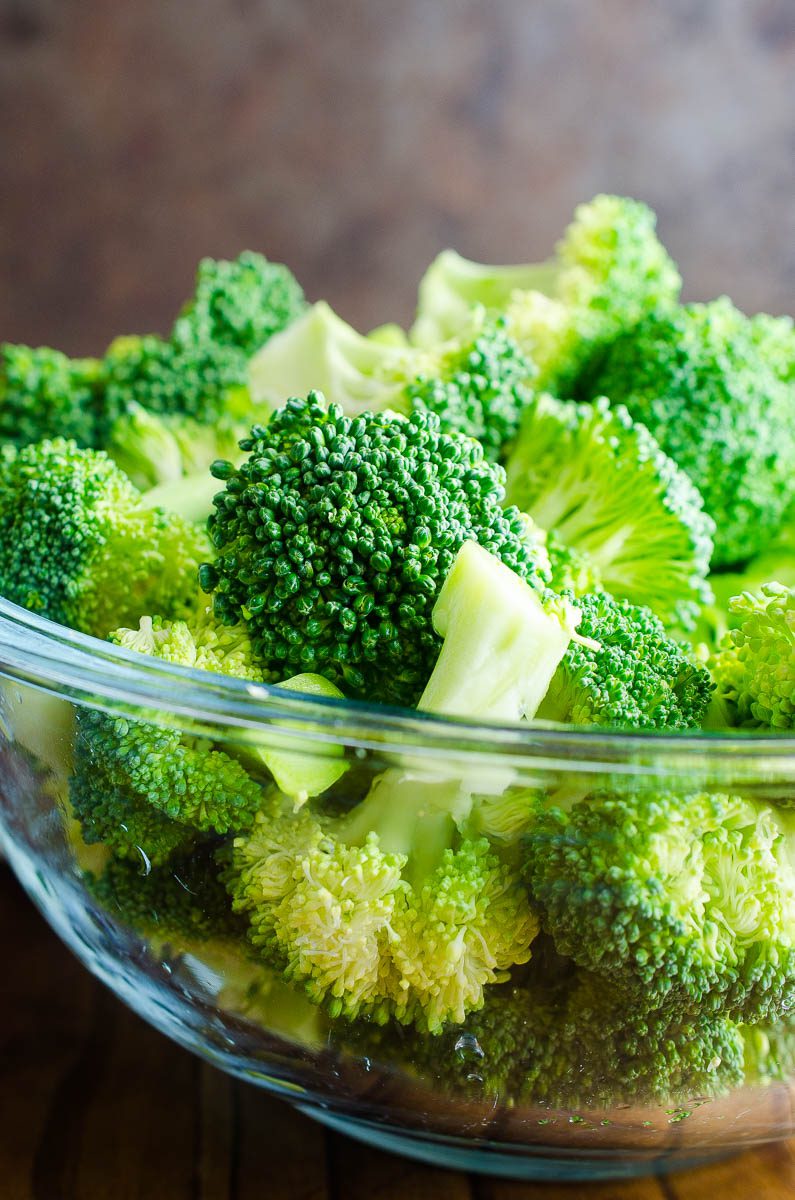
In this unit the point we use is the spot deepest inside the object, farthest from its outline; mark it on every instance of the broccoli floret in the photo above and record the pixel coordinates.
(149, 792)
(200, 380)
(477, 384)
(681, 898)
(636, 677)
(698, 381)
(45, 394)
(716, 618)
(576, 1043)
(239, 303)
(393, 909)
(79, 544)
(610, 271)
(183, 900)
(754, 667)
(335, 535)
(600, 482)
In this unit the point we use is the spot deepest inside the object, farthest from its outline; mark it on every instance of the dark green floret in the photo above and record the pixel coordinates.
(239, 303)
(183, 900)
(80, 545)
(334, 538)
(598, 480)
(687, 899)
(637, 678)
(698, 380)
(45, 394)
(149, 792)
(578, 1044)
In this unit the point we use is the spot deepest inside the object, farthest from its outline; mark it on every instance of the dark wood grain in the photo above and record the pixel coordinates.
(95, 1104)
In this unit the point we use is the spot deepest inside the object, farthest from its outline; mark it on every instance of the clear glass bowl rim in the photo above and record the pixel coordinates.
(90, 672)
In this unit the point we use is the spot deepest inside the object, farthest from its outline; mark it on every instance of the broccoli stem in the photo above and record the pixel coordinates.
(190, 497)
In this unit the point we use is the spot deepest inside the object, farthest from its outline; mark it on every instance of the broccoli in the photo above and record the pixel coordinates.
(241, 303)
(477, 384)
(575, 1043)
(150, 793)
(717, 618)
(335, 535)
(769, 1052)
(598, 480)
(45, 394)
(687, 899)
(610, 271)
(203, 644)
(184, 900)
(78, 543)
(697, 380)
(754, 665)
(636, 677)
(392, 910)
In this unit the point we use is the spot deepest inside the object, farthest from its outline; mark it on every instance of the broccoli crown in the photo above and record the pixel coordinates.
(201, 643)
(200, 380)
(687, 899)
(79, 545)
(480, 389)
(577, 1044)
(183, 900)
(476, 383)
(147, 792)
(698, 381)
(335, 535)
(600, 482)
(754, 667)
(610, 270)
(775, 339)
(239, 303)
(45, 394)
(637, 677)
(612, 263)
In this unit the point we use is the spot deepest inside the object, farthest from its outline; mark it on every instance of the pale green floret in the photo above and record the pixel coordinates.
(598, 480)
(80, 545)
(393, 910)
(754, 666)
(681, 898)
(609, 271)
(158, 449)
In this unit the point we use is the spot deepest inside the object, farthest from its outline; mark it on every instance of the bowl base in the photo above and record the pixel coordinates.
(509, 1162)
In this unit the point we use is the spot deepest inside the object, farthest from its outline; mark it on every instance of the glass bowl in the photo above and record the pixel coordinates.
(430, 1098)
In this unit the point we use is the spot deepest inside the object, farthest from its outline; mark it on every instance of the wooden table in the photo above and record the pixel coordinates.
(95, 1105)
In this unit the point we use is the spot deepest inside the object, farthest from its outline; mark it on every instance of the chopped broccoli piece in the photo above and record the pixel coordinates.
(45, 394)
(754, 667)
(697, 380)
(183, 900)
(392, 909)
(335, 535)
(671, 897)
(241, 303)
(79, 545)
(610, 271)
(149, 792)
(636, 677)
(477, 384)
(600, 482)
(576, 1043)
(200, 380)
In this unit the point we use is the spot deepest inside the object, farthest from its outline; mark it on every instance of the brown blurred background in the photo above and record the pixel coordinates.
(353, 140)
